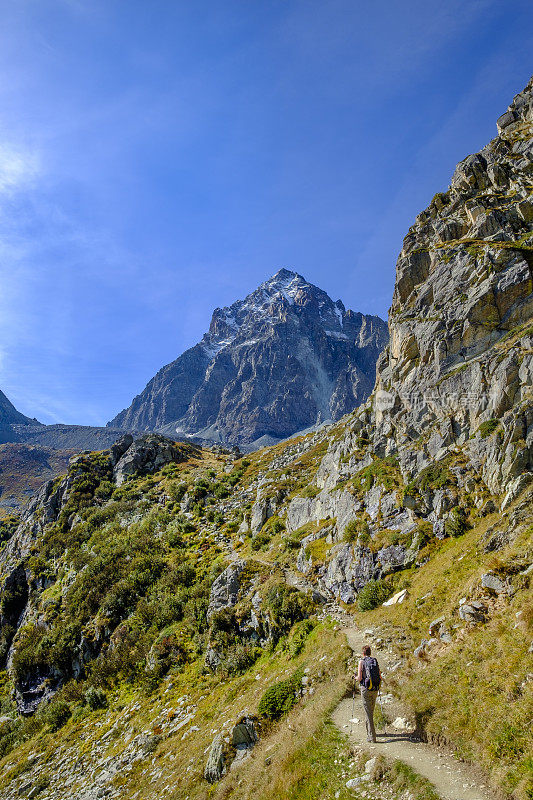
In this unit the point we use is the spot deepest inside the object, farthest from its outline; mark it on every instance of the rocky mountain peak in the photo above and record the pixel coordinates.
(280, 360)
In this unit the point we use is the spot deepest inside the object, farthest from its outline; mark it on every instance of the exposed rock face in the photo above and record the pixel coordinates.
(451, 417)
(225, 588)
(215, 767)
(144, 455)
(461, 343)
(275, 363)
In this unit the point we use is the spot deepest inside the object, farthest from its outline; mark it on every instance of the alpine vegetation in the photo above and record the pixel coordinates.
(175, 619)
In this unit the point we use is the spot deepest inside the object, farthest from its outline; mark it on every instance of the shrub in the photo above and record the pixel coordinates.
(274, 525)
(105, 490)
(176, 491)
(260, 540)
(223, 620)
(281, 697)
(310, 491)
(58, 714)
(436, 476)
(291, 543)
(238, 657)
(173, 647)
(221, 491)
(456, 523)
(372, 595)
(356, 529)
(298, 637)
(286, 606)
(198, 491)
(384, 471)
(232, 527)
(8, 526)
(95, 698)
(488, 427)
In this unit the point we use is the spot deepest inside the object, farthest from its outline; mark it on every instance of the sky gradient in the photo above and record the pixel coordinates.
(159, 159)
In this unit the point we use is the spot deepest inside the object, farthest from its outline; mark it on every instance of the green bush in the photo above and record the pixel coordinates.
(356, 529)
(238, 657)
(274, 525)
(232, 527)
(105, 490)
(298, 636)
(372, 595)
(260, 540)
(58, 714)
(286, 606)
(310, 491)
(488, 427)
(176, 491)
(384, 471)
(95, 698)
(291, 543)
(8, 526)
(221, 491)
(456, 523)
(436, 476)
(281, 697)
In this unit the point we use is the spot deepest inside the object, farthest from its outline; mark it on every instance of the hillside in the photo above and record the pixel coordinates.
(282, 360)
(9, 416)
(24, 468)
(168, 613)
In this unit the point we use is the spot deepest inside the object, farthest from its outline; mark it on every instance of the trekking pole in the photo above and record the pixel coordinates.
(382, 714)
(353, 707)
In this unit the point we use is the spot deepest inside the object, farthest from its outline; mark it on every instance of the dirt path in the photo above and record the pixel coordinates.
(452, 779)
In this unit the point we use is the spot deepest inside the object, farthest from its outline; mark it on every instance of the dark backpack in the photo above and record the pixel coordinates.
(371, 677)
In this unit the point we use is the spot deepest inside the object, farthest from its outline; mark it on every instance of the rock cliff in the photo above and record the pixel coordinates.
(450, 422)
(281, 360)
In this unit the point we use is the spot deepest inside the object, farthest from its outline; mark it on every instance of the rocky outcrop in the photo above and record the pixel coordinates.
(450, 421)
(144, 455)
(460, 355)
(225, 589)
(283, 359)
(215, 767)
(229, 752)
(341, 506)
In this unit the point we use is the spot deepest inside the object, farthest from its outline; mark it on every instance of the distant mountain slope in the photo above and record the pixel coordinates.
(281, 360)
(23, 468)
(68, 437)
(10, 416)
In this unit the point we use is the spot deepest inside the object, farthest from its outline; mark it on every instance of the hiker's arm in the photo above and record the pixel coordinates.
(360, 672)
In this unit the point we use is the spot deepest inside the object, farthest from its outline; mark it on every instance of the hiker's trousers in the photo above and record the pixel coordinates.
(369, 701)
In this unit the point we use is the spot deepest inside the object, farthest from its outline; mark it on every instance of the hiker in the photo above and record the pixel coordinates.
(369, 677)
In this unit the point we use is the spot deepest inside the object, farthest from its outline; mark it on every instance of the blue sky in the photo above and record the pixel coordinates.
(160, 158)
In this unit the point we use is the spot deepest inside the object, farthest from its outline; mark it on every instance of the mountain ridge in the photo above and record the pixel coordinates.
(279, 361)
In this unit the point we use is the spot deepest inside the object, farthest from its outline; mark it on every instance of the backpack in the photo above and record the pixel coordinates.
(371, 677)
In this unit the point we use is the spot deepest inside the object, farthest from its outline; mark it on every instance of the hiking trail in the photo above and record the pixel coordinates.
(452, 779)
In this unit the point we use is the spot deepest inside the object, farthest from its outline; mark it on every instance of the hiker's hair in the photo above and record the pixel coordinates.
(366, 650)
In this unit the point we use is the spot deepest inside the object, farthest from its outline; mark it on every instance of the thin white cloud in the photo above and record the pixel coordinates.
(18, 168)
